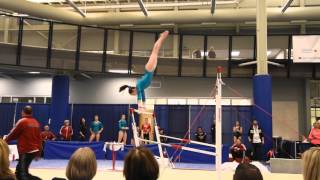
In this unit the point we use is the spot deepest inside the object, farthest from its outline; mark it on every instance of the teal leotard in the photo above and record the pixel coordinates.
(122, 124)
(142, 84)
(96, 126)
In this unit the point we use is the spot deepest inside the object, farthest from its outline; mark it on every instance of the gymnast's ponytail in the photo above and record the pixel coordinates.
(123, 88)
(130, 89)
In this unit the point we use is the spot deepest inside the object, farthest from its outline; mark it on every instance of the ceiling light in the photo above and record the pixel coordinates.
(33, 72)
(250, 22)
(167, 24)
(208, 23)
(235, 53)
(126, 25)
(268, 53)
(298, 21)
(119, 71)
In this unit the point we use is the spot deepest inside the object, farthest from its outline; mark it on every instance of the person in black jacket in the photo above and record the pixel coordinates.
(256, 139)
(83, 129)
(200, 135)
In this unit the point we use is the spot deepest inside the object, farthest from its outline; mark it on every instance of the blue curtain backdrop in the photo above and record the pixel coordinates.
(109, 116)
(6, 118)
(174, 119)
(7, 112)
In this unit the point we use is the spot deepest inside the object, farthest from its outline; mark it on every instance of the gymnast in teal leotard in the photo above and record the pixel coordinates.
(123, 128)
(145, 81)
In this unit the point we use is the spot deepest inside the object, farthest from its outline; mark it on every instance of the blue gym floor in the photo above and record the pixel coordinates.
(107, 164)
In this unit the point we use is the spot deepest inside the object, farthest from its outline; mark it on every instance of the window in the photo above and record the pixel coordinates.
(9, 39)
(64, 42)
(192, 55)
(118, 51)
(91, 49)
(242, 47)
(34, 43)
(141, 51)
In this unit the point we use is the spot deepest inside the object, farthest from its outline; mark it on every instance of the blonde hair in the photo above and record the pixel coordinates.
(82, 165)
(311, 164)
(4, 160)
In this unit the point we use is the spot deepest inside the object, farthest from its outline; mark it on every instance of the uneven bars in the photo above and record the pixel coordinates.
(189, 141)
(182, 147)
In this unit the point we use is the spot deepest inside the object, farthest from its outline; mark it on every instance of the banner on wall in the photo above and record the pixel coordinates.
(306, 49)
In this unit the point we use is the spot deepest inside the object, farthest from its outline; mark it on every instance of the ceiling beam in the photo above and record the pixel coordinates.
(71, 3)
(286, 6)
(143, 8)
(213, 6)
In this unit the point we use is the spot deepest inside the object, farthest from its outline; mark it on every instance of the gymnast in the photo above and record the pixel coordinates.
(146, 79)
(96, 129)
(122, 135)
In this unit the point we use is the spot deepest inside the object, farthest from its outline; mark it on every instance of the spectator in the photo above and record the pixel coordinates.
(196, 54)
(238, 150)
(200, 135)
(256, 139)
(96, 129)
(314, 135)
(247, 171)
(27, 132)
(83, 129)
(82, 165)
(212, 53)
(213, 132)
(5, 172)
(311, 164)
(66, 131)
(140, 164)
(123, 128)
(162, 139)
(146, 129)
(47, 135)
(237, 131)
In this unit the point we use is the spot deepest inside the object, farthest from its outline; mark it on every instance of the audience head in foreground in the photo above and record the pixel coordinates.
(247, 171)
(82, 165)
(5, 172)
(140, 164)
(311, 164)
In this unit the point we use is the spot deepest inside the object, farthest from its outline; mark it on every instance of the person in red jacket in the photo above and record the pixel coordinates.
(238, 150)
(47, 135)
(314, 135)
(27, 132)
(66, 131)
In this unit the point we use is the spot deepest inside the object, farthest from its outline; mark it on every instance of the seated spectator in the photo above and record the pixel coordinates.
(140, 164)
(314, 135)
(162, 139)
(311, 164)
(5, 172)
(200, 135)
(196, 54)
(238, 151)
(212, 53)
(47, 135)
(213, 132)
(247, 171)
(66, 131)
(82, 165)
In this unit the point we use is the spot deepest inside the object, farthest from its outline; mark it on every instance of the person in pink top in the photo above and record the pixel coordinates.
(314, 135)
